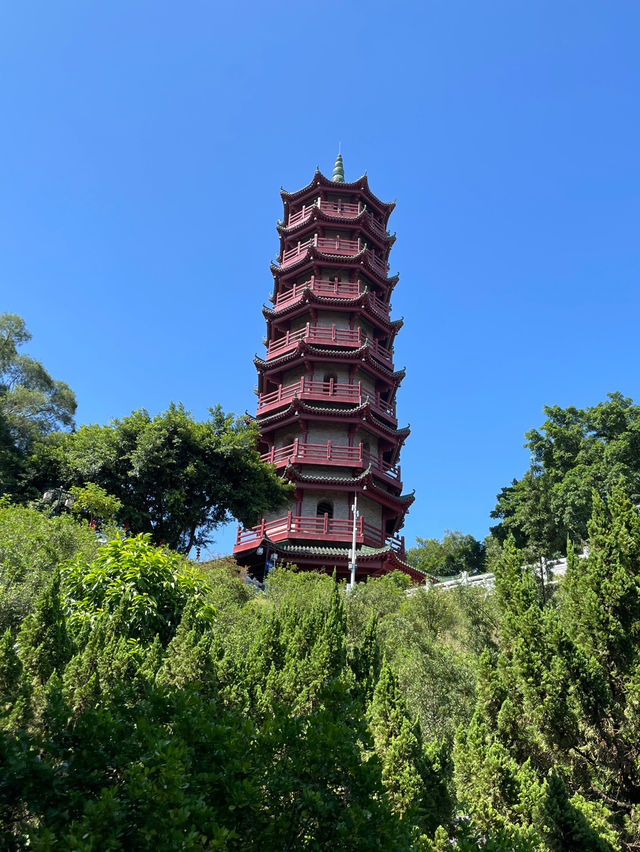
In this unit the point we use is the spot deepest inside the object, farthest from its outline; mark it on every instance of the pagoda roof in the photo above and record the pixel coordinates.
(314, 253)
(321, 214)
(309, 296)
(302, 348)
(361, 184)
(385, 557)
(366, 478)
(359, 412)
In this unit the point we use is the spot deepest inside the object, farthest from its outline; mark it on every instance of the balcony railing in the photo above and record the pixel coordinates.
(330, 453)
(330, 391)
(331, 289)
(342, 209)
(329, 336)
(333, 245)
(321, 528)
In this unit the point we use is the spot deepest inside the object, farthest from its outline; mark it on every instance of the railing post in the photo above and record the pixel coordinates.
(262, 527)
(238, 534)
(328, 449)
(289, 517)
(302, 384)
(326, 523)
(358, 245)
(333, 332)
(315, 240)
(330, 387)
(360, 392)
(360, 445)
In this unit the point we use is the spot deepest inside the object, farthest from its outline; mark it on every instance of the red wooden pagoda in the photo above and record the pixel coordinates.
(327, 387)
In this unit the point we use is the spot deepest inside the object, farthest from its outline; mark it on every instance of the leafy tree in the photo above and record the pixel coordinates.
(93, 503)
(176, 478)
(559, 707)
(152, 583)
(32, 546)
(455, 553)
(32, 404)
(43, 642)
(575, 452)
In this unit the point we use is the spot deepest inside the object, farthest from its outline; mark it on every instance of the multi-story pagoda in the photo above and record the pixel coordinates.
(327, 387)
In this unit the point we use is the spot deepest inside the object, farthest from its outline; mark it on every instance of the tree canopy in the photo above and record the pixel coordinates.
(456, 552)
(575, 453)
(176, 478)
(32, 403)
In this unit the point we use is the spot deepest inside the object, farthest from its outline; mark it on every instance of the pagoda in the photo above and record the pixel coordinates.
(327, 387)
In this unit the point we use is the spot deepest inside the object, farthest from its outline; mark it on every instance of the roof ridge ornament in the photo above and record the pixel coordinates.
(338, 170)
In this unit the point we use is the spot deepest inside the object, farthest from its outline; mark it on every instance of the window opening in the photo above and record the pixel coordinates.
(324, 508)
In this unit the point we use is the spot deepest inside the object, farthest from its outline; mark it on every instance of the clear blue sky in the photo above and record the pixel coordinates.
(142, 152)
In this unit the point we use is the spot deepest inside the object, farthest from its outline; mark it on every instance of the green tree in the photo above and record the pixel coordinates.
(32, 546)
(32, 403)
(559, 706)
(177, 478)
(152, 583)
(575, 452)
(456, 552)
(94, 504)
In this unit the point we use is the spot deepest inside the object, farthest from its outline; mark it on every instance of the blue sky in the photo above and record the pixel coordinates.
(144, 145)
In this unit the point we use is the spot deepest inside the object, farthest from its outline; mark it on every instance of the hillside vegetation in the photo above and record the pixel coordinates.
(152, 702)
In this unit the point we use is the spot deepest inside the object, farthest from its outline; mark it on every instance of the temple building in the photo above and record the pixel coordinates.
(327, 387)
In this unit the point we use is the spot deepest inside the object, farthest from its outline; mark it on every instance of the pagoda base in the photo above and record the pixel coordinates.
(370, 562)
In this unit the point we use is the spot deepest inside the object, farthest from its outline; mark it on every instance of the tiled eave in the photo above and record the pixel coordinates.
(309, 297)
(361, 184)
(361, 413)
(313, 253)
(319, 215)
(379, 561)
(306, 351)
(397, 502)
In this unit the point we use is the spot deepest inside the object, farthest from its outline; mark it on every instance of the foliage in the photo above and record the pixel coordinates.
(150, 702)
(575, 452)
(152, 583)
(552, 747)
(93, 503)
(32, 546)
(454, 554)
(32, 404)
(176, 478)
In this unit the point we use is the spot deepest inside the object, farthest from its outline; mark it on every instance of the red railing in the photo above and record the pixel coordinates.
(336, 289)
(333, 208)
(338, 454)
(330, 391)
(378, 227)
(328, 336)
(341, 209)
(321, 528)
(332, 245)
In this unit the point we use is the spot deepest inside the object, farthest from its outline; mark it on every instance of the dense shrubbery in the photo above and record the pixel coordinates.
(152, 704)
(149, 703)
